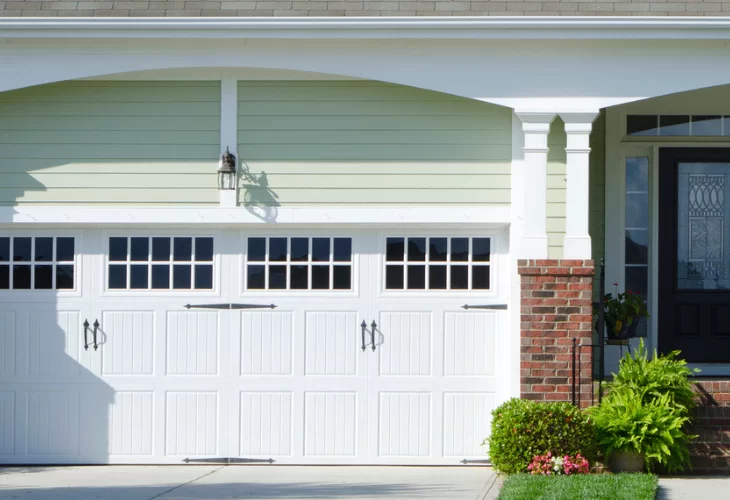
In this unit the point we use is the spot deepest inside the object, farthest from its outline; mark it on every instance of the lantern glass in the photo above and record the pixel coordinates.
(226, 180)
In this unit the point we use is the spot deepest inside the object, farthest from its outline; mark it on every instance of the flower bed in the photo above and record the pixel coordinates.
(580, 487)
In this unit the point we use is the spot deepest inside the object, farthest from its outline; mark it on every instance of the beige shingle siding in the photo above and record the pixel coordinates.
(369, 8)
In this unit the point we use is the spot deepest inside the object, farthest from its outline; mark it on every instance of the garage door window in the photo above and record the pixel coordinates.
(299, 263)
(37, 263)
(160, 263)
(437, 263)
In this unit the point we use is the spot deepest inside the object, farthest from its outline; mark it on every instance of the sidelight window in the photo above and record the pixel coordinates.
(437, 263)
(299, 263)
(37, 263)
(160, 263)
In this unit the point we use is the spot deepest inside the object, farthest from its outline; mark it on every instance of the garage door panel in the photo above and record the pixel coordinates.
(7, 423)
(192, 343)
(466, 421)
(405, 345)
(8, 334)
(266, 343)
(127, 342)
(131, 424)
(53, 418)
(266, 420)
(331, 343)
(191, 423)
(331, 423)
(404, 424)
(469, 344)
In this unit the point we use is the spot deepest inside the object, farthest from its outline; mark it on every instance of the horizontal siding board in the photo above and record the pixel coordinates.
(382, 136)
(364, 122)
(380, 196)
(374, 181)
(78, 142)
(119, 123)
(382, 168)
(326, 91)
(379, 108)
(393, 152)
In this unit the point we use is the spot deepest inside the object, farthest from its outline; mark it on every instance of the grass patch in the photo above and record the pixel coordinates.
(588, 487)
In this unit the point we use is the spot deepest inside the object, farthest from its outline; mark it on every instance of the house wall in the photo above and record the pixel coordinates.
(89, 142)
(364, 143)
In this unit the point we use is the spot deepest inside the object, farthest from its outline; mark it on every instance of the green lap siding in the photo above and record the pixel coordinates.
(107, 142)
(363, 143)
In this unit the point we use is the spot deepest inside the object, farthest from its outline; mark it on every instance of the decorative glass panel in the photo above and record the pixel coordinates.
(702, 233)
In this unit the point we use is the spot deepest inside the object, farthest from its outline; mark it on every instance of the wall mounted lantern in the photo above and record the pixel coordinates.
(227, 171)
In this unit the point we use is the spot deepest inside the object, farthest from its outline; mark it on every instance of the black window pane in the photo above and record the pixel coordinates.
(44, 249)
(138, 276)
(117, 276)
(299, 249)
(637, 173)
(416, 249)
(459, 277)
(674, 125)
(480, 278)
(257, 249)
(341, 275)
(437, 249)
(21, 249)
(343, 249)
(277, 277)
(64, 277)
(277, 249)
(256, 277)
(203, 250)
(4, 249)
(394, 277)
(320, 277)
(637, 249)
(459, 249)
(437, 278)
(21, 277)
(707, 125)
(416, 277)
(140, 249)
(321, 250)
(641, 125)
(299, 278)
(161, 277)
(181, 277)
(204, 277)
(394, 249)
(481, 248)
(64, 249)
(637, 280)
(637, 210)
(161, 250)
(43, 277)
(182, 250)
(4, 277)
(117, 249)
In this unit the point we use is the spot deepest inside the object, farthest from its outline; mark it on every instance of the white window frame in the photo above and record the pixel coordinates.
(103, 279)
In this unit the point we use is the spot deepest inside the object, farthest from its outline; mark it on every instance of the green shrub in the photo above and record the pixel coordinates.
(653, 428)
(655, 377)
(522, 429)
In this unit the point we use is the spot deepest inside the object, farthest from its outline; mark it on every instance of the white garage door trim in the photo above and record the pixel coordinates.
(168, 384)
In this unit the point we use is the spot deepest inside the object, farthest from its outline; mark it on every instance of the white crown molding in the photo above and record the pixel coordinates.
(102, 215)
(644, 28)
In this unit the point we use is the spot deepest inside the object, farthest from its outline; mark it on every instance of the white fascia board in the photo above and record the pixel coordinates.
(645, 28)
(95, 215)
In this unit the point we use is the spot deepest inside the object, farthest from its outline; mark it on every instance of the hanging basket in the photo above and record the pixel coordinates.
(623, 335)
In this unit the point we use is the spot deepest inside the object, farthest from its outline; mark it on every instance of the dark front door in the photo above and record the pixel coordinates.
(694, 253)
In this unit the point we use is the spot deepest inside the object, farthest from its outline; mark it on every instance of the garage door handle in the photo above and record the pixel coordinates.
(86, 334)
(373, 326)
(364, 327)
(495, 307)
(96, 329)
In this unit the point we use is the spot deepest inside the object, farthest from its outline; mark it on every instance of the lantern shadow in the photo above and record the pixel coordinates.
(258, 198)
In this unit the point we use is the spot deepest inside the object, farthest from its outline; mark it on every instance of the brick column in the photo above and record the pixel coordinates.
(556, 298)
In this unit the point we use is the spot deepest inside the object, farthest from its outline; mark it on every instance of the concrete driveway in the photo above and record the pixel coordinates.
(246, 482)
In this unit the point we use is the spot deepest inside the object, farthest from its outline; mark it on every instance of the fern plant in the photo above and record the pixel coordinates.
(653, 428)
(656, 376)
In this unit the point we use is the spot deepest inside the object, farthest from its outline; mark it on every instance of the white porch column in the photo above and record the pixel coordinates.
(577, 243)
(536, 127)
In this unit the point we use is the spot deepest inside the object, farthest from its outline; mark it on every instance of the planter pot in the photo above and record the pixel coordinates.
(626, 461)
(623, 336)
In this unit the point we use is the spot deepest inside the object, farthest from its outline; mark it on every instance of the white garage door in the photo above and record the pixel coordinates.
(367, 355)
